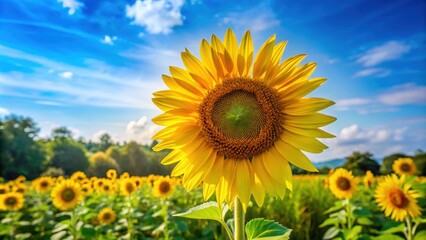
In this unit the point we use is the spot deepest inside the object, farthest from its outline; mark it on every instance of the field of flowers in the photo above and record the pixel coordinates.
(131, 207)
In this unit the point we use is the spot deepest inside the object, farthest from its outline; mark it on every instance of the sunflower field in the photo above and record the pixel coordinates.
(338, 206)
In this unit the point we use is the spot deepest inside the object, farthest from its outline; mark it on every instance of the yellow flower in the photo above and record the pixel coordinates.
(368, 179)
(234, 124)
(86, 189)
(78, 176)
(124, 175)
(111, 174)
(66, 195)
(106, 216)
(404, 166)
(3, 189)
(11, 201)
(42, 184)
(106, 187)
(127, 186)
(342, 183)
(163, 187)
(396, 199)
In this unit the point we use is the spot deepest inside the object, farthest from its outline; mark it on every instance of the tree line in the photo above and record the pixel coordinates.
(23, 152)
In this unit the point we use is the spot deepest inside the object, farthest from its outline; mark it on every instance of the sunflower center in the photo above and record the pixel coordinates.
(11, 201)
(68, 195)
(164, 187)
(107, 216)
(343, 183)
(44, 184)
(2, 191)
(405, 167)
(398, 199)
(241, 118)
(129, 187)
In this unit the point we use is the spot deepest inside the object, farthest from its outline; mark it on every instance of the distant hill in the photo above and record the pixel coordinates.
(330, 163)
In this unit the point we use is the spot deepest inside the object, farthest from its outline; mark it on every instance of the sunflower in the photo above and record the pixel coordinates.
(234, 124)
(124, 175)
(368, 179)
(396, 199)
(43, 184)
(127, 186)
(404, 166)
(163, 187)
(78, 176)
(66, 195)
(111, 174)
(106, 216)
(11, 201)
(3, 189)
(342, 183)
(106, 187)
(86, 189)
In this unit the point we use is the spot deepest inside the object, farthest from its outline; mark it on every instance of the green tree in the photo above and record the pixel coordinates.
(360, 162)
(134, 160)
(100, 163)
(420, 161)
(61, 133)
(20, 153)
(105, 142)
(387, 163)
(114, 153)
(68, 154)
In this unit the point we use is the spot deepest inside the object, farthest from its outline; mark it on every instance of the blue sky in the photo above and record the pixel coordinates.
(93, 65)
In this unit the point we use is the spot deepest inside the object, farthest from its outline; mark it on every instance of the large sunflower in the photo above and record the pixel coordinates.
(66, 195)
(43, 184)
(127, 186)
(342, 183)
(396, 199)
(234, 124)
(11, 201)
(404, 166)
(163, 187)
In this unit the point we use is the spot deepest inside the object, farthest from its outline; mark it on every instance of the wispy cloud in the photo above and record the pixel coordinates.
(377, 72)
(109, 40)
(345, 104)
(404, 94)
(156, 16)
(256, 19)
(66, 75)
(141, 130)
(4, 112)
(49, 103)
(73, 5)
(389, 51)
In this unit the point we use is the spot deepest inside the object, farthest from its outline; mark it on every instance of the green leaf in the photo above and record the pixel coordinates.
(260, 228)
(58, 235)
(330, 221)
(88, 231)
(331, 233)
(208, 210)
(363, 212)
(392, 227)
(337, 206)
(353, 233)
(364, 221)
(388, 237)
(420, 235)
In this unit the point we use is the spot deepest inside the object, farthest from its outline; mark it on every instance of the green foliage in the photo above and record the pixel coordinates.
(20, 154)
(105, 142)
(359, 163)
(100, 163)
(53, 172)
(68, 155)
(260, 228)
(420, 161)
(387, 163)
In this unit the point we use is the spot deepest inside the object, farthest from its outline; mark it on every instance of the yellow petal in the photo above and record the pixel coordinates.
(231, 45)
(263, 175)
(301, 89)
(314, 120)
(263, 57)
(278, 53)
(308, 144)
(169, 103)
(243, 179)
(307, 105)
(207, 59)
(208, 190)
(295, 156)
(197, 71)
(176, 116)
(309, 132)
(286, 69)
(245, 55)
(212, 177)
(223, 53)
(172, 157)
(258, 192)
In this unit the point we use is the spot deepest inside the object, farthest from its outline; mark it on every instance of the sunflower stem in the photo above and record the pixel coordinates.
(349, 214)
(238, 220)
(409, 229)
(166, 219)
(129, 217)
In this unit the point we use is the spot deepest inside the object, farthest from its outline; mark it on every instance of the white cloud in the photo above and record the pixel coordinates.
(73, 5)
(156, 16)
(4, 111)
(356, 135)
(389, 51)
(141, 130)
(404, 94)
(352, 102)
(377, 72)
(66, 75)
(109, 40)
(49, 103)
(256, 19)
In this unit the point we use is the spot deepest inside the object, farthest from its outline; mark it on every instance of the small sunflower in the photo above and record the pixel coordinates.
(396, 199)
(3, 189)
(111, 174)
(342, 183)
(404, 166)
(43, 184)
(86, 189)
(124, 175)
(163, 187)
(66, 195)
(106, 187)
(78, 176)
(234, 123)
(106, 216)
(11, 201)
(368, 179)
(127, 186)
